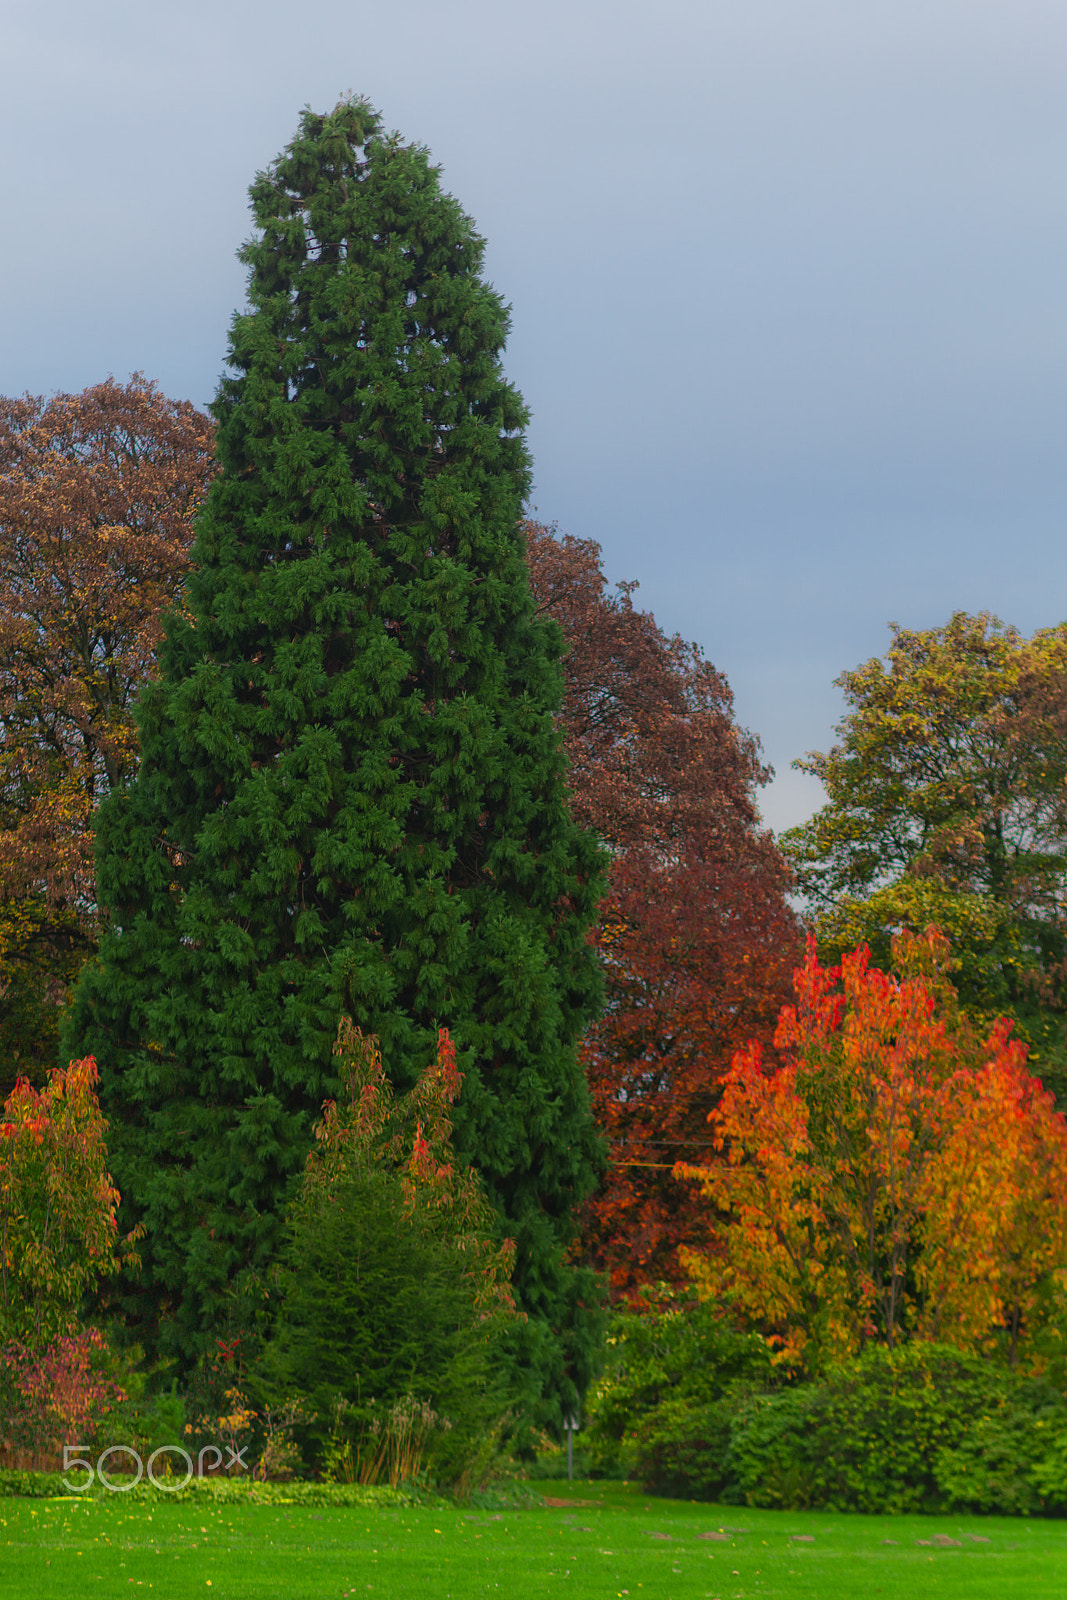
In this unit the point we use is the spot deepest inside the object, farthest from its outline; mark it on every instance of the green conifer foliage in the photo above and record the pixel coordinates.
(351, 796)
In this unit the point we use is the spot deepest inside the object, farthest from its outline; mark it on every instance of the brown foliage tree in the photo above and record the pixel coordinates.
(97, 494)
(698, 940)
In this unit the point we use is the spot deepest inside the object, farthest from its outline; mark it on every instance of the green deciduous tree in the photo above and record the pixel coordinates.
(352, 796)
(946, 804)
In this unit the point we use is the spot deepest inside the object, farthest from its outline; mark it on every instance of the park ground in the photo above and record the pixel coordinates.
(588, 1541)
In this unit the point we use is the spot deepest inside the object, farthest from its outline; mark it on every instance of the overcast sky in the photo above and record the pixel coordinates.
(789, 282)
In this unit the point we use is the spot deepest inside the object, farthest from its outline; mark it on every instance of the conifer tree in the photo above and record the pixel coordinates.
(352, 797)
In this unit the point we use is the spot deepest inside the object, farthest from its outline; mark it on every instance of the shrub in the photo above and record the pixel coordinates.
(925, 1428)
(54, 1394)
(676, 1352)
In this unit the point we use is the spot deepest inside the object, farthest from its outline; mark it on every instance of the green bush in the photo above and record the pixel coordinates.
(769, 1460)
(678, 1353)
(215, 1491)
(931, 1428)
(864, 1438)
(150, 1415)
(682, 1450)
(996, 1466)
(924, 1428)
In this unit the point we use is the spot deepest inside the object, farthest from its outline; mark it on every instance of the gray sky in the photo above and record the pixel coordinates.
(789, 282)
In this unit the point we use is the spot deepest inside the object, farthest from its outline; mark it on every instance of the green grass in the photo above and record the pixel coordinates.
(604, 1541)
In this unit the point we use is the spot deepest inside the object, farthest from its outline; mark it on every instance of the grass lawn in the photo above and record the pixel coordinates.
(593, 1542)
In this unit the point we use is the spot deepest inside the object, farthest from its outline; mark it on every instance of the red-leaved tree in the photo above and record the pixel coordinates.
(696, 935)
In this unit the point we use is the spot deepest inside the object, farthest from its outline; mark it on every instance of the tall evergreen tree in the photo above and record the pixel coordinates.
(352, 796)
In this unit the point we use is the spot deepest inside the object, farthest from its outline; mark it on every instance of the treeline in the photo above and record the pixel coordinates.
(698, 937)
(357, 746)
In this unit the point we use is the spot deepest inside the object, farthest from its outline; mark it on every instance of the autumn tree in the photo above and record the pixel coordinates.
(57, 1205)
(97, 494)
(894, 1174)
(946, 804)
(696, 936)
(352, 795)
(394, 1290)
(58, 1240)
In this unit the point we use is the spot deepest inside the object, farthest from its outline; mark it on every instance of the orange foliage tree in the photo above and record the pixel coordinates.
(895, 1175)
(697, 939)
